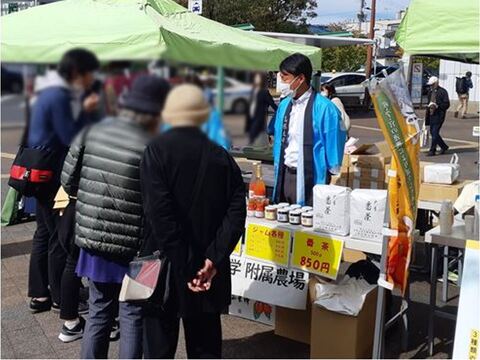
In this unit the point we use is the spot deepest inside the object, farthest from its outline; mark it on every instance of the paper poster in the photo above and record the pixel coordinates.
(268, 244)
(317, 254)
(269, 283)
(467, 330)
(252, 310)
(238, 248)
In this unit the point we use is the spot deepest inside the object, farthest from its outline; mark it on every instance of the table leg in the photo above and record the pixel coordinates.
(433, 298)
(445, 275)
(460, 266)
(379, 336)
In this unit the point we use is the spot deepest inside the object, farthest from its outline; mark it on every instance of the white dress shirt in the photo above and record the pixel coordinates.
(295, 129)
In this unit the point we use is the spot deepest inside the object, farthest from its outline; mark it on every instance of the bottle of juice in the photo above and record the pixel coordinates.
(257, 188)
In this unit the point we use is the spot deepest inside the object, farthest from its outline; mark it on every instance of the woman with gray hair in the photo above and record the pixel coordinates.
(109, 213)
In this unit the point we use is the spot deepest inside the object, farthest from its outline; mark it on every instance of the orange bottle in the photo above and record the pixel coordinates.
(257, 188)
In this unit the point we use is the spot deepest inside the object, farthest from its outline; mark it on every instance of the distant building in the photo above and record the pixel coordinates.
(385, 34)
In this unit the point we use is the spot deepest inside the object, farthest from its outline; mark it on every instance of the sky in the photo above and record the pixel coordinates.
(344, 10)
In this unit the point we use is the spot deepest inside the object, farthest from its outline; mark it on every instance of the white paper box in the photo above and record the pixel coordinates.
(367, 214)
(331, 207)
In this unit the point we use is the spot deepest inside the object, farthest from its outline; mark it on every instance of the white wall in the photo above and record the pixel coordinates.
(449, 70)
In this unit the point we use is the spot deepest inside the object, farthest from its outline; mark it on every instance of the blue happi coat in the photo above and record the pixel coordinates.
(329, 138)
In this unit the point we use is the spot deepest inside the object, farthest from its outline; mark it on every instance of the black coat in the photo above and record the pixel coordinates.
(443, 104)
(257, 123)
(168, 173)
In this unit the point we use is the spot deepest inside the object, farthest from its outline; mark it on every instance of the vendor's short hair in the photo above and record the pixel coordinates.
(469, 73)
(297, 64)
(77, 62)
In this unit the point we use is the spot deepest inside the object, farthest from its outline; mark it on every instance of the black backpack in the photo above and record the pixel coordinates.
(461, 85)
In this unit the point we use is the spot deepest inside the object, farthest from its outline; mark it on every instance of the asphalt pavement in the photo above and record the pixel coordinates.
(35, 336)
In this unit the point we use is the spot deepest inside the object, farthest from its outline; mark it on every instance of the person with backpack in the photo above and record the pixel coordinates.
(463, 86)
(102, 170)
(57, 116)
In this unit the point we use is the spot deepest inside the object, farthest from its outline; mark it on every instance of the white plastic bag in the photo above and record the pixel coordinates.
(442, 173)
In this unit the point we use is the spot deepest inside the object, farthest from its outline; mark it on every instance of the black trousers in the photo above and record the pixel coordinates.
(70, 282)
(203, 336)
(289, 186)
(47, 259)
(436, 138)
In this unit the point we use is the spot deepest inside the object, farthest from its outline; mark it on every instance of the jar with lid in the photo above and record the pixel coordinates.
(271, 212)
(294, 216)
(307, 219)
(282, 214)
(295, 207)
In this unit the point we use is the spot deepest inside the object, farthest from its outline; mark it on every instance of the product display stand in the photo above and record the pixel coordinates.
(456, 239)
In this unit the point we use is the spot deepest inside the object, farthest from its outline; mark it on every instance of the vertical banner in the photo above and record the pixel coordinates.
(399, 124)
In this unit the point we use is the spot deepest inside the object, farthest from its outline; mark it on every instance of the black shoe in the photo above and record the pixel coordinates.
(55, 308)
(40, 306)
(443, 151)
(68, 335)
(115, 333)
(83, 308)
(455, 114)
(431, 153)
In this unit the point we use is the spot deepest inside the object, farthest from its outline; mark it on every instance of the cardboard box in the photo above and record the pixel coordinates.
(335, 336)
(374, 156)
(295, 324)
(367, 166)
(366, 178)
(439, 192)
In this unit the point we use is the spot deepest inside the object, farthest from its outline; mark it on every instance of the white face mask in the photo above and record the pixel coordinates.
(284, 88)
(324, 93)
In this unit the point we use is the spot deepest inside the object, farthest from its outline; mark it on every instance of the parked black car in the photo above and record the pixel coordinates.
(12, 82)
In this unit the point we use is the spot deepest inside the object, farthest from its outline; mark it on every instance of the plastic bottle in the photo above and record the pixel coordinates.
(446, 217)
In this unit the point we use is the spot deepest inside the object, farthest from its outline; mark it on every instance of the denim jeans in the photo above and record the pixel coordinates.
(103, 300)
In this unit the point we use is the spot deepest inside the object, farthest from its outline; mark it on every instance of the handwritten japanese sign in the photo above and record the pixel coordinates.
(252, 310)
(268, 283)
(317, 254)
(268, 244)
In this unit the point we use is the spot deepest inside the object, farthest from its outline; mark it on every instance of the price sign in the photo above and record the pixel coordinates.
(317, 254)
(268, 244)
(238, 248)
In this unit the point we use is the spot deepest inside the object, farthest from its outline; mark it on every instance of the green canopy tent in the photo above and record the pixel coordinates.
(442, 28)
(133, 30)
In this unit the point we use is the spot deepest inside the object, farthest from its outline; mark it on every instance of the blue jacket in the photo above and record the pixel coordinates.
(213, 128)
(56, 116)
(328, 142)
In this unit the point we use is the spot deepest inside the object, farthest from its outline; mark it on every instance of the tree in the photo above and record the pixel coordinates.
(344, 58)
(265, 15)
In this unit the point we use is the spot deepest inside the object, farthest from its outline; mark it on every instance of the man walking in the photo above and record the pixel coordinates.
(194, 202)
(463, 86)
(438, 104)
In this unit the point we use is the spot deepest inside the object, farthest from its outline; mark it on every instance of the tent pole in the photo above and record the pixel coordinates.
(220, 89)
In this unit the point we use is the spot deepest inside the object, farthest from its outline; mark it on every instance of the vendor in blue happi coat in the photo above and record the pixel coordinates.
(309, 138)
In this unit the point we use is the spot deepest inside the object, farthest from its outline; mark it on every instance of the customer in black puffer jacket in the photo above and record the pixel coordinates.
(109, 212)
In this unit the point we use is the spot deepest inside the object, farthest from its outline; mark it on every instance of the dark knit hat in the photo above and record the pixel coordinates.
(147, 95)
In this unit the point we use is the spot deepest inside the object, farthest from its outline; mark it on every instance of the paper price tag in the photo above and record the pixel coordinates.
(317, 254)
(268, 244)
